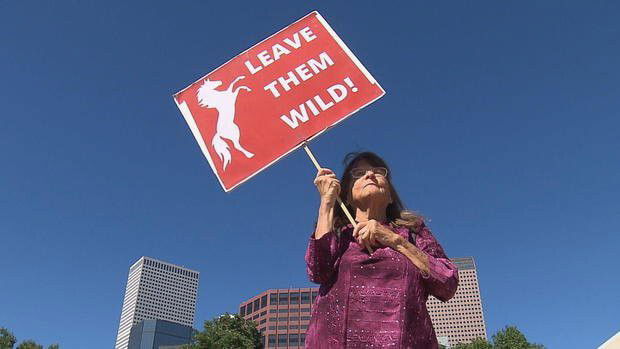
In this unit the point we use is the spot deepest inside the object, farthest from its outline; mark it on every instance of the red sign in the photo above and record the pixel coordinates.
(267, 101)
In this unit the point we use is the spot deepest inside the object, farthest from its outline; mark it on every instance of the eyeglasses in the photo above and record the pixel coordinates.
(360, 172)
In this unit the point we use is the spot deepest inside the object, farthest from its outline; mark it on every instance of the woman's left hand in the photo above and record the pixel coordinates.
(373, 234)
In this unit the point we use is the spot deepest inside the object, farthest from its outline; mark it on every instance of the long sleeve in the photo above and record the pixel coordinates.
(442, 280)
(322, 257)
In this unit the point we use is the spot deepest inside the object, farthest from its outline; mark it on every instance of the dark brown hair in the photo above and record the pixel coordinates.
(396, 213)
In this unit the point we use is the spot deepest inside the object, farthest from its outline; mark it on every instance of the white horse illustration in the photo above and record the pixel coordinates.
(224, 102)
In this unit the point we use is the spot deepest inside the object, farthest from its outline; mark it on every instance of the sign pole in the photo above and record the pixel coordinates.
(342, 205)
(318, 167)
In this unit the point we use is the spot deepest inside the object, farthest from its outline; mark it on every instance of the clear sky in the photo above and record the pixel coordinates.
(500, 122)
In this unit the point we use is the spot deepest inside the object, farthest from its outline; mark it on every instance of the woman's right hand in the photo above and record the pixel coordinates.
(328, 186)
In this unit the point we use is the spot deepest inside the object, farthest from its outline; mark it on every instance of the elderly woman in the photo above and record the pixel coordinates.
(375, 277)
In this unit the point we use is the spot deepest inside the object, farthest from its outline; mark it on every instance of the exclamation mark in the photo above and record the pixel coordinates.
(350, 83)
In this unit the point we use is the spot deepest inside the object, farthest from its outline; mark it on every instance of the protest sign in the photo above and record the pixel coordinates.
(270, 99)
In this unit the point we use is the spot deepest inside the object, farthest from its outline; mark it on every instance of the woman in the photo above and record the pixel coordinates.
(375, 278)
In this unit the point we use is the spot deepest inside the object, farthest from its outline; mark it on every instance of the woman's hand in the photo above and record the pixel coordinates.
(328, 186)
(372, 234)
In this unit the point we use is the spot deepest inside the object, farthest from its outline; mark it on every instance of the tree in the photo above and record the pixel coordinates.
(227, 331)
(508, 338)
(7, 339)
(478, 343)
(511, 338)
(29, 344)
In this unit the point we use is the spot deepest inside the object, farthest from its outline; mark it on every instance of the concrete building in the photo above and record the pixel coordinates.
(461, 319)
(283, 315)
(158, 334)
(157, 290)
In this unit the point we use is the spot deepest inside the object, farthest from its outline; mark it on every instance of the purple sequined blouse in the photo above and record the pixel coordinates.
(377, 300)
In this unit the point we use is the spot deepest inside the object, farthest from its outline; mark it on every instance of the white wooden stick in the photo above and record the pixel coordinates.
(342, 205)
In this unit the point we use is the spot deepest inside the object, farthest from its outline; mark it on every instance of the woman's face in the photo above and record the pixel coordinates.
(370, 187)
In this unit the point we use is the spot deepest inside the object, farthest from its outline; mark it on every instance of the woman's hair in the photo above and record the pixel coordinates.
(396, 213)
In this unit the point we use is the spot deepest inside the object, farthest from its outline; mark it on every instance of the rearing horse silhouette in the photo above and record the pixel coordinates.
(224, 103)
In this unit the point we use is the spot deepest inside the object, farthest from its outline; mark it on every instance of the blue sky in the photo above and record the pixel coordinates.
(500, 123)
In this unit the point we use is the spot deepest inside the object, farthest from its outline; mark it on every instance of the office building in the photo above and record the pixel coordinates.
(157, 290)
(283, 315)
(461, 318)
(155, 334)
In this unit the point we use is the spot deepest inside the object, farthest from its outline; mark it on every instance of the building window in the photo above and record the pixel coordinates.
(282, 340)
(282, 327)
(293, 339)
(263, 301)
(257, 304)
(305, 310)
(302, 339)
(295, 298)
(283, 299)
(305, 298)
(272, 340)
(283, 310)
(273, 299)
(242, 310)
(272, 328)
(248, 308)
(314, 295)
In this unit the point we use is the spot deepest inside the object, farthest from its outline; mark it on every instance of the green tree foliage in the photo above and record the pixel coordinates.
(478, 343)
(508, 338)
(511, 338)
(7, 339)
(227, 331)
(29, 344)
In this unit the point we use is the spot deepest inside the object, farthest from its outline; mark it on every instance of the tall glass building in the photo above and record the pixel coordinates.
(155, 334)
(157, 290)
